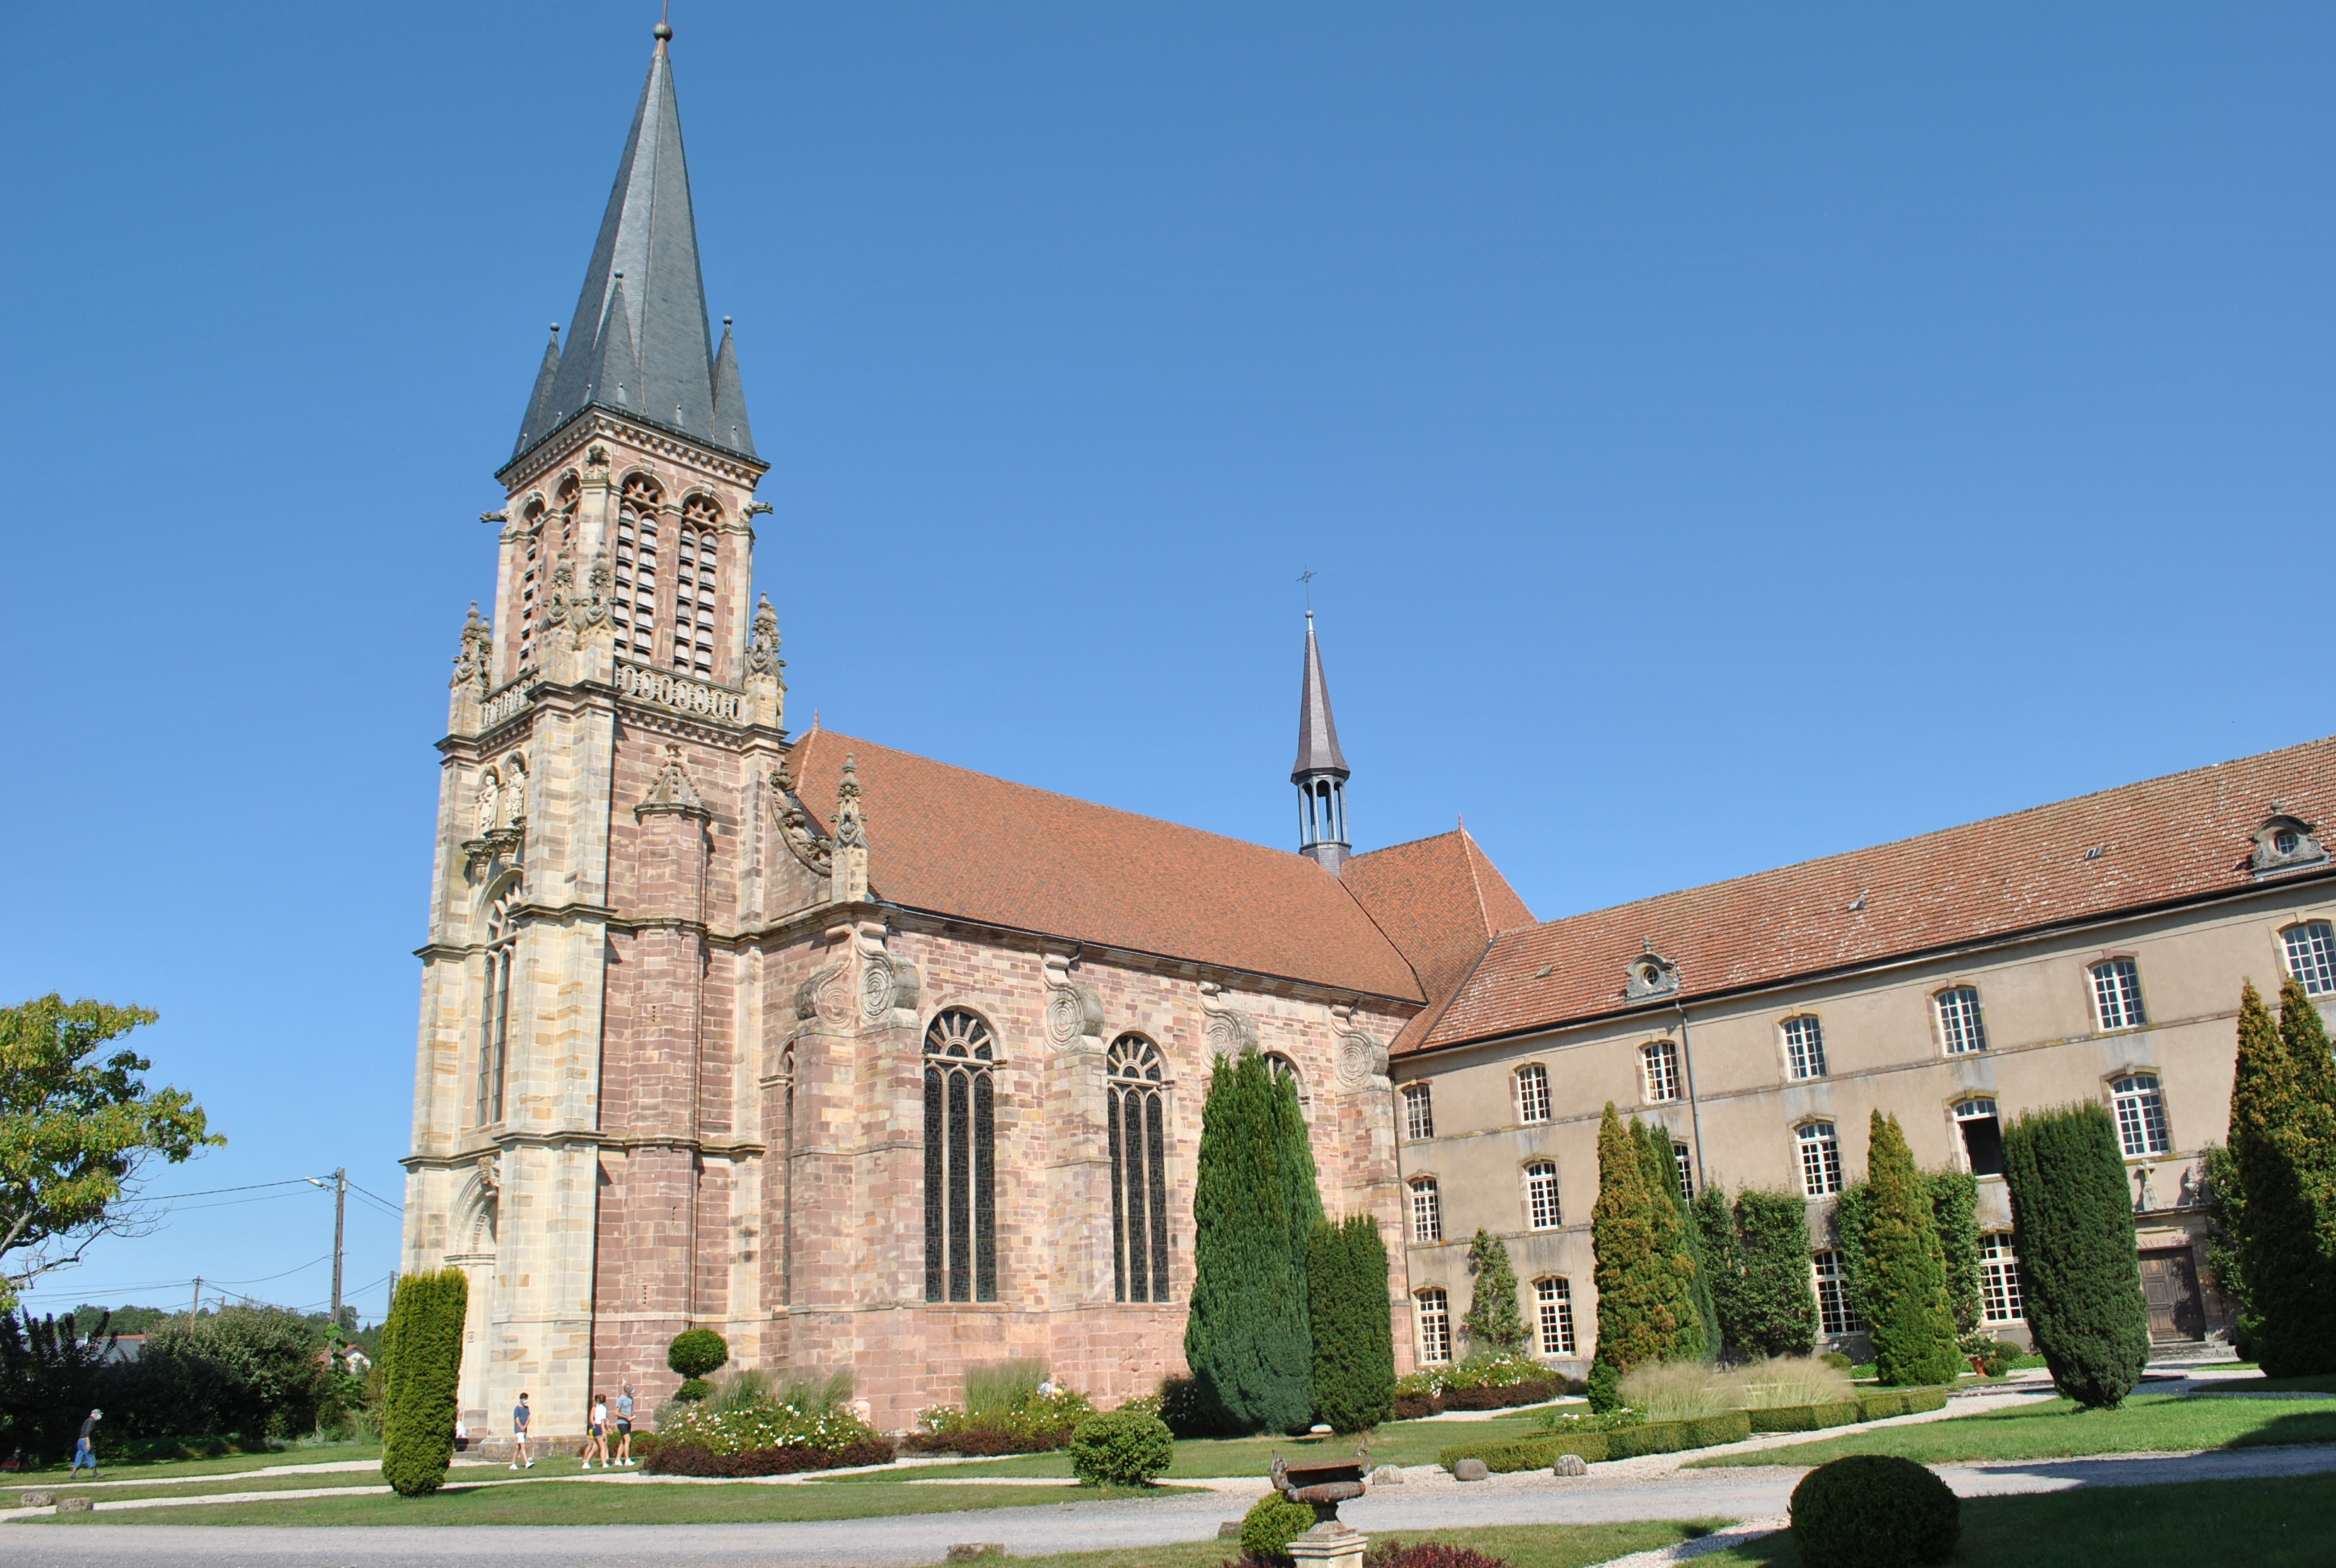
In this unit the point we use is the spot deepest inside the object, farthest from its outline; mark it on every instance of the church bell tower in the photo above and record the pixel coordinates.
(578, 1142)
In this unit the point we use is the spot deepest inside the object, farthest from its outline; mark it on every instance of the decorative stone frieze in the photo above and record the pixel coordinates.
(676, 691)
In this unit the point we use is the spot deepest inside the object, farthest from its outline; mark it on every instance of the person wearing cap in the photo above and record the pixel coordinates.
(86, 1448)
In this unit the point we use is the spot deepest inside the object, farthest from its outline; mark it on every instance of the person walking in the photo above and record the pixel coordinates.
(519, 1415)
(596, 1432)
(86, 1448)
(625, 1427)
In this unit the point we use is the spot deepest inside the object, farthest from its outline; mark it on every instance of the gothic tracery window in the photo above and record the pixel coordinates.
(494, 1016)
(1138, 1135)
(960, 1159)
(531, 568)
(696, 579)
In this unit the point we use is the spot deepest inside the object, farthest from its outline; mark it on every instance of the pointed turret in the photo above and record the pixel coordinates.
(640, 322)
(1321, 772)
(730, 427)
(537, 422)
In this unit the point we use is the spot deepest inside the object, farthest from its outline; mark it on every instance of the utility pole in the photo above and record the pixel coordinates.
(193, 1311)
(340, 1216)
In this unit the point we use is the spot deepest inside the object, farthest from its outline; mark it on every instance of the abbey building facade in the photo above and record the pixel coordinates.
(870, 1061)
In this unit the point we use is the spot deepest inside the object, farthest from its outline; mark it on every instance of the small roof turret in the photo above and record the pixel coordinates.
(1317, 732)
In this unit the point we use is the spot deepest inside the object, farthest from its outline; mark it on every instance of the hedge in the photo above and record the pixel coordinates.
(689, 1459)
(1622, 1443)
(986, 1442)
(1883, 1404)
(1804, 1417)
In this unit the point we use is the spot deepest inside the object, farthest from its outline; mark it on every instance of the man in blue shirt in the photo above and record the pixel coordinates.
(519, 1435)
(85, 1448)
(625, 1427)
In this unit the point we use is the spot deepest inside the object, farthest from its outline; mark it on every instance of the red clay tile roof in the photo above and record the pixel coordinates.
(2164, 840)
(1442, 903)
(952, 841)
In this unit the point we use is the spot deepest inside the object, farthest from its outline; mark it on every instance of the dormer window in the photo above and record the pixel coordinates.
(2283, 843)
(1651, 975)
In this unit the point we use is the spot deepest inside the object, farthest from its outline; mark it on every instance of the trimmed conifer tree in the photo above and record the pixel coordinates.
(1913, 1324)
(1776, 1312)
(2079, 1271)
(1646, 1280)
(1720, 1261)
(1493, 1321)
(1245, 1333)
(1954, 1210)
(1353, 1325)
(2283, 1148)
(1302, 1200)
(2225, 1202)
(1663, 1184)
(421, 1366)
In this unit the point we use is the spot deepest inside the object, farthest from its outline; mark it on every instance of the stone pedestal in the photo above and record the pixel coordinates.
(1329, 1544)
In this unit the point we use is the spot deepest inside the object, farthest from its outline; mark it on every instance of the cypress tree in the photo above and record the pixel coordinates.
(1493, 1321)
(1646, 1283)
(422, 1356)
(1353, 1325)
(1678, 1228)
(1721, 1260)
(2283, 1146)
(1913, 1322)
(2225, 1202)
(2079, 1273)
(1302, 1201)
(1954, 1208)
(1776, 1313)
(1245, 1334)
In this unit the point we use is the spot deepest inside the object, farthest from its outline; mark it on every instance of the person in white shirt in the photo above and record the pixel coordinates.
(596, 1434)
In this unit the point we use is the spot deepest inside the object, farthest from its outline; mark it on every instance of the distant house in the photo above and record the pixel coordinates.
(126, 1348)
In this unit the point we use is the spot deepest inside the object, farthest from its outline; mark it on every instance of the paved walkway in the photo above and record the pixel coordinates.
(1611, 1492)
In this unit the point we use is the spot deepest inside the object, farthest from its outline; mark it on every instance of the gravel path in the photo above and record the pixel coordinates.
(1611, 1492)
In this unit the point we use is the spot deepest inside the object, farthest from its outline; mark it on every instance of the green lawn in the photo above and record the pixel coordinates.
(600, 1503)
(1396, 1443)
(2151, 1423)
(2273, 1524)
(207, 1487)
(1519, 1545)
(2323, 1384)
(226, 1465)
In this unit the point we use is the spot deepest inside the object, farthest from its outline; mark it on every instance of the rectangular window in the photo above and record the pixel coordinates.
(1683, 1162)
(1982, 1136)
(2141, 1116)
(1426, 1211)
(2117, 994)
(1554, 1302)
(1541, 1195)
(1533, 1094)
(1835, 1311)
(1999, 1279)
(1435, 1326)
(1419, 1112)
(2311, 956)
(1960, 1025)
(1820, 1160)
(1661, 1059)
(1805, 1048)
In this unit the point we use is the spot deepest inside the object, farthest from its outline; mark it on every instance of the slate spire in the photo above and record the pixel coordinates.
(640, 321)
(1321, 772)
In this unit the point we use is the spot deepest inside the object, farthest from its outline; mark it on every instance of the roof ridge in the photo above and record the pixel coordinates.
(1475, 884)
(1934, 832)
(1407, 843)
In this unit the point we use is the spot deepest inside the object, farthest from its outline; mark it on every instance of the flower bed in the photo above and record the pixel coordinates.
(1031, 1423)
(767, 1426)
(673, 1458)
(1479, 1383)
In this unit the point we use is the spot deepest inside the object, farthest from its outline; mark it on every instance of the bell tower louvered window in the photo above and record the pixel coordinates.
(697, 583)
(1138, 1135)
(961, 1160)
(634, 612)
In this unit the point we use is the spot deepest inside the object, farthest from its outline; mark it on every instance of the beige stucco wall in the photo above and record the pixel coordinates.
(1882, 1052)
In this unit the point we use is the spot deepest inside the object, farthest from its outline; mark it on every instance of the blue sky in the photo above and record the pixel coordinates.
(1724, 436)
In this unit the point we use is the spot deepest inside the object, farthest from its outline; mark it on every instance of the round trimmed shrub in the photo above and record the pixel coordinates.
(1873, 1511)
(696, 1352)
(1272, 1523)
(697, 1390)
(1120, 1448)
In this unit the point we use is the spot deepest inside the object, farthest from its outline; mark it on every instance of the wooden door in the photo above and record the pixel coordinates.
(2169, 1280)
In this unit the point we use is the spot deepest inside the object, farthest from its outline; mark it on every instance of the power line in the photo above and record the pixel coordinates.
(214, 1192)
(377, 1197)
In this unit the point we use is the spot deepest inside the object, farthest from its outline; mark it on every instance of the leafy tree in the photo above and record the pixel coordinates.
(2081, 1275)
(248, 1371)
(49, 1379)
(1644, 1271)
(423, 1353)
(1954, 1209)
(1353, 1325)
(698, 1353)
(75, 1129)
(2283, 1154)
(1776, 1312)
(1245, 1333)
(1912, 1321)
(1493, 1321)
